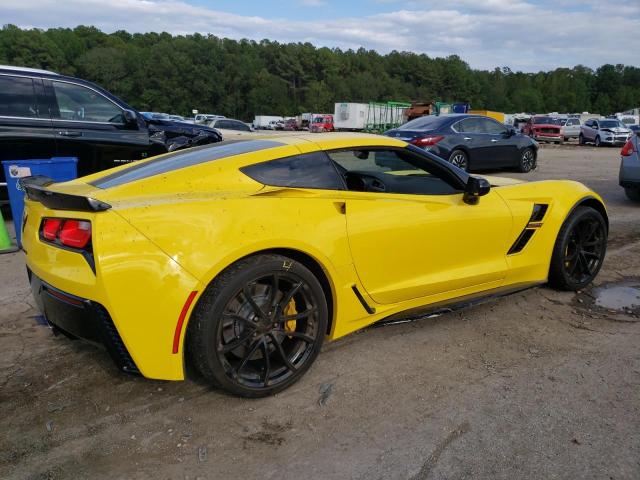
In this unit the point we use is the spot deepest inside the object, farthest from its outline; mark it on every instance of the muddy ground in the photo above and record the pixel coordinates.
(541, 384)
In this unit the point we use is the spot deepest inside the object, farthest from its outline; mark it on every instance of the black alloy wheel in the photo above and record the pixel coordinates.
(579, 250)
(261, 326)
(527, 161)
(459, 159)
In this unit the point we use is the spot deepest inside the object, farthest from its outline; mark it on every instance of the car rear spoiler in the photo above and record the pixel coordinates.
(36, 189)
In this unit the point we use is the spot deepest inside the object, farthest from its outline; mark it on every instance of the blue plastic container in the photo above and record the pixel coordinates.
(59, 169)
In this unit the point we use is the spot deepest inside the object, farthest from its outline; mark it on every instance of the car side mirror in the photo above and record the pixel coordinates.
(476, 187)
(130, 116)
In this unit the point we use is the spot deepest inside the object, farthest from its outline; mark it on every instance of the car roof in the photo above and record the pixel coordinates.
(26, 69)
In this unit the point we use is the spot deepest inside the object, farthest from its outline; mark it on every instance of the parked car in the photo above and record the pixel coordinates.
(321, 123)
(230, 128)
(630, 168)
(43, 115)
(272, 125)
(229, 281)
(570, 127)
(291, 124)
(604, 131)
(470, 142)
(543, 129)
(634, 128)
(204, 118)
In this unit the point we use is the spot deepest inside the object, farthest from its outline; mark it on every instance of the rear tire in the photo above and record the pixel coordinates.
(460, 159)
(242, 336)
(633, 194)
(579, 250)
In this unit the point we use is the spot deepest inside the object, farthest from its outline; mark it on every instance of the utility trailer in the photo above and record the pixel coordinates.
(369, 117)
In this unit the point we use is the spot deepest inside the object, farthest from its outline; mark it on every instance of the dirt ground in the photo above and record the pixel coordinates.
(538, 385)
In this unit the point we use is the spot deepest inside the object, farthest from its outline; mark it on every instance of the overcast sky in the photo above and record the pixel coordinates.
(528, 35)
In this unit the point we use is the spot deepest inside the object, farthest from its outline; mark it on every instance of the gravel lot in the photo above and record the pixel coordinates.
(541, 384)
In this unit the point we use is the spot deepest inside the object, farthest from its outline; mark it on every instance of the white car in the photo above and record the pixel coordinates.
(570, 127)
(604, 131)
(206, 118)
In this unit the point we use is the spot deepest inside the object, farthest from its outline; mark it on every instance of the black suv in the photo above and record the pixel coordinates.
(43, 115)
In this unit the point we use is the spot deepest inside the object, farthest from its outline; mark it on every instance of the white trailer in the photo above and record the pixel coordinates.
(264, 121)
(367, 116)
(350, 116)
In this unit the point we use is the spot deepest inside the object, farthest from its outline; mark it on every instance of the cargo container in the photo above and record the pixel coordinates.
(373, 116)
(499, 116)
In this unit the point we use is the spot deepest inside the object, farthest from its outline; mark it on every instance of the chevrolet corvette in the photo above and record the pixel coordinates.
(239, 259)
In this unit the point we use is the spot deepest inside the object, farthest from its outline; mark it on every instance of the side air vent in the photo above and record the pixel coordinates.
(535, 222)
(522, 241)
(539, 210)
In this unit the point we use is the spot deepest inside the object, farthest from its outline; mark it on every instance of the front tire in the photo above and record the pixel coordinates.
(460, 159)
(258, 326)
(527, 161)
(579, 250)
(633, 194)
(598, 143)
(581, 139)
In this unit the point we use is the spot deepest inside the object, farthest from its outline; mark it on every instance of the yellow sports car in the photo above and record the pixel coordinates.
(242, 257)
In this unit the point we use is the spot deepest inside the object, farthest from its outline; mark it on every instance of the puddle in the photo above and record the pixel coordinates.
(623, 296)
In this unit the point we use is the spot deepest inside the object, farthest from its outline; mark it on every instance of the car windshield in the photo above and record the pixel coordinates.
(545, 120)
(611, 124)
(429, 122)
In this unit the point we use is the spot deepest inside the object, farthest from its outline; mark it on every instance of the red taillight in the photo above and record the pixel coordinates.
(67, 232)
(628, 148)
(75, 233)
(427, 141)
(50, 228)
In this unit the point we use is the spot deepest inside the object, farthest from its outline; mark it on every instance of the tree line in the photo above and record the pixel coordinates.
(240, 79)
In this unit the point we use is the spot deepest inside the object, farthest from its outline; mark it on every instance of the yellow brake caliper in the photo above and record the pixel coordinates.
(290, 309)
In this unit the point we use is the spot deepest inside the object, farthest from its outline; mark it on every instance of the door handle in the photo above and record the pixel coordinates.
(468, 139)
(493, 140)
(69, 133)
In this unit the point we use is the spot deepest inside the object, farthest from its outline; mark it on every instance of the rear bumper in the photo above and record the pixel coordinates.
(630, 171)
(79, 317)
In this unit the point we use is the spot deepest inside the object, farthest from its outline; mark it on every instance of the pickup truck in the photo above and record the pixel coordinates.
(604, 131)
(543, 129)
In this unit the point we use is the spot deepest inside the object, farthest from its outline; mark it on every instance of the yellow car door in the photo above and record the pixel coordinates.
(411, 245)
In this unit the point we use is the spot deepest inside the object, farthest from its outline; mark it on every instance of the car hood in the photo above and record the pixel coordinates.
(174, 134)
(616, 130)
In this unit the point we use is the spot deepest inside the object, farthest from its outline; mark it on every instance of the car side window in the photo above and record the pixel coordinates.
(18, 98)
(387, 171)
(491, 126)
(595, 125)
(468, 125)
(238, 126)
(79, 103)
(310, 170)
